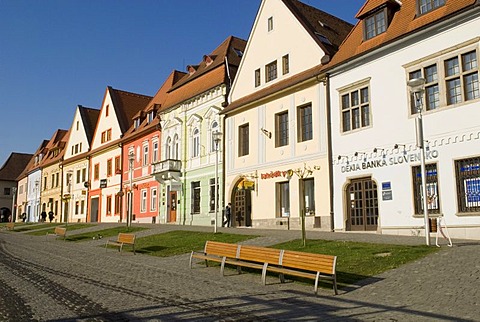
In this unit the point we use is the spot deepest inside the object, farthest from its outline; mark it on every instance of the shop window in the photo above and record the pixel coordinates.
(467, 173)
(283, 198)
(143, 202)
(195, 186)
(308, 195)
(433, 198)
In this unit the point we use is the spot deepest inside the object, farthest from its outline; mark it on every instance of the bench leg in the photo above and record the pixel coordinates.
(282, 278)
(335, 284)
(222, 266)
(191, 259)
(264, 273)
(315, 289)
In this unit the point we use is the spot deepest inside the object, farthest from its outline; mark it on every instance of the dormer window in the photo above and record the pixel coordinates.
(208, 59)
(136, 123)
(192, 69)
(375, 24)
(150, 116)
(424, 6)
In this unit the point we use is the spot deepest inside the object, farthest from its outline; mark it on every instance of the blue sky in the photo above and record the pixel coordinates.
(57, 54)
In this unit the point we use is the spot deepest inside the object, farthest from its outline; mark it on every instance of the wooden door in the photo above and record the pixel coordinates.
(173, 207)
(362, 205)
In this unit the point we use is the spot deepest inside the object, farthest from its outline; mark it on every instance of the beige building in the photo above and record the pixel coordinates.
(276, 133)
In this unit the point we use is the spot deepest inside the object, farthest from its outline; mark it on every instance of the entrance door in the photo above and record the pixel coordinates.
(242, 208)
(362, 205)
(173, 207)
(94, 210)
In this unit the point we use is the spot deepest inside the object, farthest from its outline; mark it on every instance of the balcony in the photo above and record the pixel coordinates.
(167, 170)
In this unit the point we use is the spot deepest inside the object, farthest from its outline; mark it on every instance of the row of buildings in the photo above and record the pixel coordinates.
(310, 118)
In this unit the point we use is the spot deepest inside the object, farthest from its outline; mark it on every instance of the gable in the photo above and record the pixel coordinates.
(81, 131)
(289, 37)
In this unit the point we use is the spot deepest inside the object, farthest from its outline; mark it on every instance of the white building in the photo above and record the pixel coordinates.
(377, 181)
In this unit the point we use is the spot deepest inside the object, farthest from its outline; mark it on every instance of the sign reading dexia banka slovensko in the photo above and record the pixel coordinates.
(394, 160)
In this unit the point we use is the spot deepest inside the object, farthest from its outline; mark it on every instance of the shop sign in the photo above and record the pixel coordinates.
(274, 174)
(395, 160)
(103, 183)
(246, 185)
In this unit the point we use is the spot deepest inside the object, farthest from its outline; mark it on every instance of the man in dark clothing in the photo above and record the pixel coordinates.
(50, 216)
(228, 214)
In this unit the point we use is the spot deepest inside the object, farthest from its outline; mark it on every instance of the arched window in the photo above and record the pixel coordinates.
(196, 143)
(168, 148)
(176, 144)
(214, 129)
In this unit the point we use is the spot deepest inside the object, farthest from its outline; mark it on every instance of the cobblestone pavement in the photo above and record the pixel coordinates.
(63, 281)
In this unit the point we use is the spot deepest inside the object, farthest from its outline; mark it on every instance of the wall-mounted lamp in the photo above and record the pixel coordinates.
(266, 132)
(375, 150)
(340, 157)
(397, 145)
(357, 153)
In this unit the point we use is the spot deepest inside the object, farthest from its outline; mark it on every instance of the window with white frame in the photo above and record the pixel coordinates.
(270, 24)
(154, 151)
(355, 108)
(214, 129)
(168, 148)
(153, 199)
(196, 143)
(304, 123)
(143, 202)
(145, 155)
(450, 79)
(176, 146)
(281, 129)
(271, 71)
(283, 199)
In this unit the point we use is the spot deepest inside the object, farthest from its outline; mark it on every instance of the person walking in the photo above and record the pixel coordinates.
(51, 215)
(228, 214)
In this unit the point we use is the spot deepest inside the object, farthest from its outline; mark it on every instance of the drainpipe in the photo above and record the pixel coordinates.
(330, 150)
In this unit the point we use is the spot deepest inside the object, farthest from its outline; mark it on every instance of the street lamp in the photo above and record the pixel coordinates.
(131, 159)
(70, 201)
(13, 214)
(417, 88)
(217, 137)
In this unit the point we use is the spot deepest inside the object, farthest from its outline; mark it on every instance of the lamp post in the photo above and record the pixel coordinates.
(37, 202)
(417, 88)
(70, 201)
(217, 137)
(14, 191)
(131, 159)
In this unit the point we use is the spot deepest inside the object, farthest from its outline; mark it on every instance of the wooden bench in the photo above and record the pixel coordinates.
(122, 239)
(10, 226)
(58, 232)
(215, 252)
(308, 265)
(283, 262)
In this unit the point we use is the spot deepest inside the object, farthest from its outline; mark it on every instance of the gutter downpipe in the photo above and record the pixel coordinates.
(330, 150)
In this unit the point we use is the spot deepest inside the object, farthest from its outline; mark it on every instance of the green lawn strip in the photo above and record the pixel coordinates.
(29, 227)
(51, 230)
(357, 261)
(181, 242)
(105, 233)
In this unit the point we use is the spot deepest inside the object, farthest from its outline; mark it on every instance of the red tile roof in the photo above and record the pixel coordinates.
(55, 148)
(405, 21)
(126, 105)
(89, 118)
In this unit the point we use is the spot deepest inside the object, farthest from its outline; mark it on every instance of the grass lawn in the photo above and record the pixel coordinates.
(28, 227)
(181, 242)
(357, 261)
(105, 233)
(52, 229)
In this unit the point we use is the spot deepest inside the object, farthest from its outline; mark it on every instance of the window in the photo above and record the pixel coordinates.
(117, 165)
(243, 140)
(433, 202)
(270, 24)
(285, 65)
(109, 167)
(257, 77)
(304, 123)
(176, 143)
(195, 185)
(106, 135)
(196, 143)
(84, 174)
(375, 24)
(153, 199)
(168, 149)
(271, 71)
(467, 173)
(212, 194)
(455, 75)
(143, 203)
(355, 109)
(76, 148)
(424, 6)
(214, 129)
(53, 180)
(309, 195)
(78, 176)
(80, 149)
(77, 207)
(281, 129)
(283, 199)
(155, 152)
(118, 202)
(57, 179)
(45, 183)
(109, 205)
(82, 207)
(150, 116)
(77, 125)
(96, 171)
(145, 155)
(6, 191)
(107, 108)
